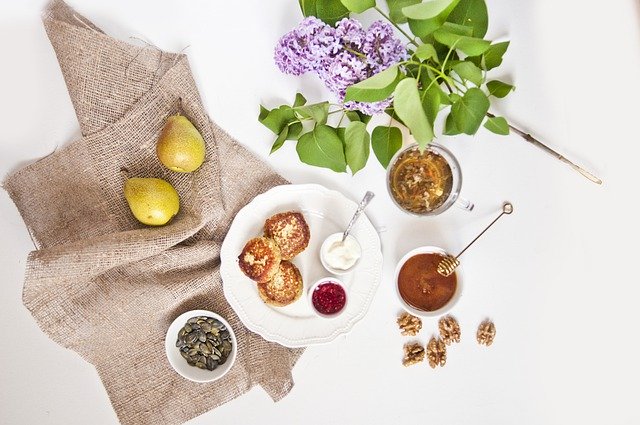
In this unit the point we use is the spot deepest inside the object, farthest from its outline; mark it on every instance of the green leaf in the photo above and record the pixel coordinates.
(470, 46)
(458, 29)
(356, 147)
(276, 119)
(294, 131)
(454, 97)
(352, 115)
(358, 116)
(375, 88)
(424, 20)
(471, 13)
(395, 9)
(322, 148)
(317, 111)
(434, 89)
(469, 71)
(300, 100)
(330, 11)
(408, 106)
(426, 51)
(431, 101)
(358, 6)
(386, 141)
(280, 140)
(263, 113)
(469, 111)
(450, 127)
(497, 125)
(427, 9)
(492, 58)
(303, 5)
(499, 89)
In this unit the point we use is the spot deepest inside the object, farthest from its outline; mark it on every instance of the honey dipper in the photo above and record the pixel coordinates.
(449, 263)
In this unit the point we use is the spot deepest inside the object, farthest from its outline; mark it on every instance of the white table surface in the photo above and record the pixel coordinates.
(557, 277)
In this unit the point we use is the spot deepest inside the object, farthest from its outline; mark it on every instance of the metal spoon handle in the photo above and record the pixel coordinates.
(507, 208)
(361, 206)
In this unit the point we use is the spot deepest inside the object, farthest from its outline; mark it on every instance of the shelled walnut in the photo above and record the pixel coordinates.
(486, 333)
(436, 352)
(449, 329)
(413, 353)
(409, 324)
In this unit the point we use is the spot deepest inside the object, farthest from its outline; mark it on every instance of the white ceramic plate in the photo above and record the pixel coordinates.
(326, 211)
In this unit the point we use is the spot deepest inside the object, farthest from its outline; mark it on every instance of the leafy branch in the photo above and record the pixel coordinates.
(446, 72)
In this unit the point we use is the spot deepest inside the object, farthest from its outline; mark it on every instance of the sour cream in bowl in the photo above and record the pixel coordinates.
(338, 256)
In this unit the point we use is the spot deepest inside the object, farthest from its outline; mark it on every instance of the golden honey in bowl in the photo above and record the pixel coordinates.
(420, 182)
(422, 287)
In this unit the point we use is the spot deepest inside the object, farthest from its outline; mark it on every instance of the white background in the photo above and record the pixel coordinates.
(558, 277)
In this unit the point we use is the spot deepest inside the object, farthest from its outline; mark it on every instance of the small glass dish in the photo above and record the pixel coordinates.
(335, 237)
(411, 154)
(330, 301)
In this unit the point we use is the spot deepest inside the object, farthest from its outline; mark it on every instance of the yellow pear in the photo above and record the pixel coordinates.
(152, 201)
(180, 146)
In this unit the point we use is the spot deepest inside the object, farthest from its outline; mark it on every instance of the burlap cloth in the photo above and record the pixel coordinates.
(102, 284)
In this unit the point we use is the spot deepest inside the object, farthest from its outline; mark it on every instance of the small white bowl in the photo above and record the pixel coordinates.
(325, 246)
(180, 365)
(456, 295)
(320, 282)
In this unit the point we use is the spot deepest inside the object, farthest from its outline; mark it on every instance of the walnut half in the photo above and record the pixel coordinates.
(486, 333)
(413, 353)
(436, 352)
(409, 324)
(449, 329)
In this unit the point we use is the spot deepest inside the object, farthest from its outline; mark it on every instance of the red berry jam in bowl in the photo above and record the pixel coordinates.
(328, 297)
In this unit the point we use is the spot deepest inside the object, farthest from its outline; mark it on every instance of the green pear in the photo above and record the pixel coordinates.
(180, 146)
(152, 201)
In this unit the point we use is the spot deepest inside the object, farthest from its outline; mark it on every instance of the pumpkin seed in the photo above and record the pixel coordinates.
(204, 342)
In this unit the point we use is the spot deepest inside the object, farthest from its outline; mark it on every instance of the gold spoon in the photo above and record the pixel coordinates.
(449, 263)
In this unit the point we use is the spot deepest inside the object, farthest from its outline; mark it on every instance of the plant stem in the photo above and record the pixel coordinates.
(385, 16)
(360, 55)
(529, 138)
(448, 86)
(444, 76)
(329, 113)
(446, 59)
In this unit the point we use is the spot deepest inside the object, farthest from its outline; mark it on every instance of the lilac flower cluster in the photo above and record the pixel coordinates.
(340, 56)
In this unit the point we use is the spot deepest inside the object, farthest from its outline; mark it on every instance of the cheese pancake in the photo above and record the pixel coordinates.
(290, 232)
(284, 288)
(260, 259)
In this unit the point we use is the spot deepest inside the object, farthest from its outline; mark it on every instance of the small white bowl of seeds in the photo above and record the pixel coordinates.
(201, 345)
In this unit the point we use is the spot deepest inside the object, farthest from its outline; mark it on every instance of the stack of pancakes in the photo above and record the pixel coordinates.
(265, 259)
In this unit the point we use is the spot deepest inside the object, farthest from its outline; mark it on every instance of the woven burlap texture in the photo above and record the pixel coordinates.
(102, 284)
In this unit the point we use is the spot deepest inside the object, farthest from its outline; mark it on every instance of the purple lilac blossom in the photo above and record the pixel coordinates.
(382, 48)
(350, 34)
(341, 56)
(304, 48)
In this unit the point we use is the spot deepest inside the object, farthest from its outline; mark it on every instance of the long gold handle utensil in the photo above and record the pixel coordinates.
(449, 263)
(529, 138)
